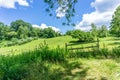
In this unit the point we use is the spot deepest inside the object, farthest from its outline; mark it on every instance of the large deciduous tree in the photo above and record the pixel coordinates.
(16, 24)
(115, 23)
(22, 28)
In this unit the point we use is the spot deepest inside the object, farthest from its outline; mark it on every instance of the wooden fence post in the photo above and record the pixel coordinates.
(66, 46)
(98, 44)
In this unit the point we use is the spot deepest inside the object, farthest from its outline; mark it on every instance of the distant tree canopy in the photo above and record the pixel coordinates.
(21, 29)
(91, 35)
(16, 24)
(99, 31)
(115, 23)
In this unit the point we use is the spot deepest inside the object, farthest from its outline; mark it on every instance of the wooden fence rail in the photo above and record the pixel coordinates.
(79, 48)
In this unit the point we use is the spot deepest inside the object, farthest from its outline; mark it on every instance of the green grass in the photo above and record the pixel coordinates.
(109, 42)
(53, 63)
(52, 42)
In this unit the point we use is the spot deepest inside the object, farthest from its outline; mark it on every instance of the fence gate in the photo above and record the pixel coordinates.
(79, 48)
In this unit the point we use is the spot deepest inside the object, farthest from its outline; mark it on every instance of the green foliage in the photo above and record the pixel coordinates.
(15, 67)
(116, 51)
(66, 7)
(48, 33)
(69, 32)
(51, 55)
(103, 31)
(82, 36)
(2, 31)
(16, 41)
(94, 30)
(16, 24)
(115, 23)
(22, 32)
(11, 35)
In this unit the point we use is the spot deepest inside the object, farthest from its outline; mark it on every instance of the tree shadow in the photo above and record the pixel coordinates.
(72, 71)
(66, 71)
(114, 43)
(78, 42)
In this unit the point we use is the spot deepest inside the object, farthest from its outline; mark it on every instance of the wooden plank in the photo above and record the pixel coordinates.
(82, 48)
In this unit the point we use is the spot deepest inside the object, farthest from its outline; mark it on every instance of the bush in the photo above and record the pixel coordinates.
(82, 36)
(51, 55)
(10, 43)
(116, 52)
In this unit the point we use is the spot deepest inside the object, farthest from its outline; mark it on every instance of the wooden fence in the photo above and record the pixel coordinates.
(79, 48)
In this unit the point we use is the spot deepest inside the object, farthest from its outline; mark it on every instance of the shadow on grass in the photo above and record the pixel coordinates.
(114, 43)
(112, 39)
(78, 43)
(66, 71)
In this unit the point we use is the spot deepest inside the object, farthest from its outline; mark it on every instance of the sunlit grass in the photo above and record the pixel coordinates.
(109, 42)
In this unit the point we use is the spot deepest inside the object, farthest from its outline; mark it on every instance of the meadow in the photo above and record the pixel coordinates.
(46, 59)
(108, 42)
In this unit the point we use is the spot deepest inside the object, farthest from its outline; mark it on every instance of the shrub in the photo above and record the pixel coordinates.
(116, 52)
(10, 43)
(82, 36)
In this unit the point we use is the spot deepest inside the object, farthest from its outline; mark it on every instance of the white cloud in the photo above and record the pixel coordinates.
(43, 26)
(11, 3)
(102, 15)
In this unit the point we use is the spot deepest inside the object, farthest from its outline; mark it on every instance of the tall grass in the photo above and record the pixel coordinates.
(96, 53)
(15, 67)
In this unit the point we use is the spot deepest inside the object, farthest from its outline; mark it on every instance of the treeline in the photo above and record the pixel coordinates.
(87, 36)
(21, 30)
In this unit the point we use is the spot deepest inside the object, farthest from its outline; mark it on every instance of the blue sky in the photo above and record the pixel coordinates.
(33, 11)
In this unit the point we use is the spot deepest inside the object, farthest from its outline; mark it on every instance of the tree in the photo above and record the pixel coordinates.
(2, 31)
(69, 32)
(115, 23)
(48, 33)
(34, 32)
(66, 7)
(22, 32)
(94, 30)
(11, 35)
(103, 31)
(23, 28)
(16, 24)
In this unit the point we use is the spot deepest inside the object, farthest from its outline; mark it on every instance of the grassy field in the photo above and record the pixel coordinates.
(71, 69)
(109, 42)
(76, 69)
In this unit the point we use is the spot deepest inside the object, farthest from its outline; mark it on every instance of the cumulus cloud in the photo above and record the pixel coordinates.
(43, 26)
(11, 3)
(102, 15)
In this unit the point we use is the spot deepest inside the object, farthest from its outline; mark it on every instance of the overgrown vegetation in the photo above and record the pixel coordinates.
(16, 67)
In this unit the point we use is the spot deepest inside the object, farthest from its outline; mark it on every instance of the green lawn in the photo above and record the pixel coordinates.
(109, 42)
